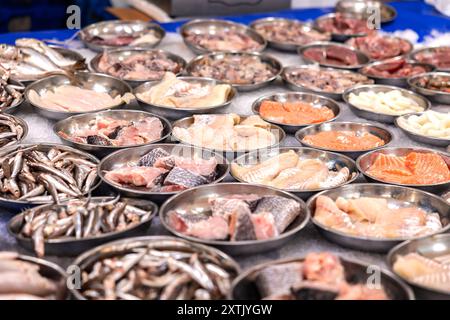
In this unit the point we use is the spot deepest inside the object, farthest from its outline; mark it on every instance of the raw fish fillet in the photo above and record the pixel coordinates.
(327, 213)
(278, 279)
(361, 292)
(344, 140)
(182, 177)
(283, 210)
(264, 225)
(219, 205)
(198, 165)
(313, 290)
(203, 227)
(241, 225)
(323, 267)
(437, 280)
(137, 176)
(150, 158)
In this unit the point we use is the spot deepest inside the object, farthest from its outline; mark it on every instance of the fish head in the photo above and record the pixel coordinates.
(9, 52)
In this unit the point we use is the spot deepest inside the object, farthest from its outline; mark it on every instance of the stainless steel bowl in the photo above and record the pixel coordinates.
(124, 53)
(21, 123)
(119, 27)
(439, 142)
(365, 161)
(360, 8)
(333, 161)
(196, 200)
(92, 81)
(382, 133)
(177, 113)
(124, 157)
(381, 117)
(403, 54)
(413, 55)
(274, 63)
(296, 87)
(309, 98)
(70, 246)
(428, 247)
(433, 95)
(244, 286)
(363, 59)
(212, 26)
(396, 196)
(70, 125)
(86, 260)
(284, 46)
(340, 37)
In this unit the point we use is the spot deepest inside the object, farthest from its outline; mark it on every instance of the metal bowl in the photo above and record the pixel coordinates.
(434, 141)
(363, 59)
(24, 126)
(212, 26)
(86, 260)
(433, 95)
(274, 63)
(124, 53)
(296, 87)
(365, 162)
(411, 46)
(70, 125)
(119, 27)
(310, 98)
(381, 117)
(378, 131)
(429, 247)
(333, 161)
(360, 9)
(414, 53)
(396, 196)
(93, 81)
(229, 154)
(339, 37)
(124, 157)
(196, 199)
(283, 46)
(70, 246)
(177, 113)
(244, 286)
(19, 205)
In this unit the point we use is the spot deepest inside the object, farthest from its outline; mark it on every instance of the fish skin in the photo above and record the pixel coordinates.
(149, 159)
(278, 279)
(185, 178)
(241, 225)
(284, 210)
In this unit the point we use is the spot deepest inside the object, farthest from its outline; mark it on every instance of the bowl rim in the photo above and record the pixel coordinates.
(364, 72)
(413, 85)
(404, 116)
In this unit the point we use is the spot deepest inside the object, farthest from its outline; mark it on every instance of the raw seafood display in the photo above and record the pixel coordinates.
(295, 113)
(10, 94)
(429, 272)
(39, 174)
(430, 123)
(142, 65)
(344, 140)
(320, 276)
(157, 273)
(105, 131)
(392, 102)
(159, 171)
(332, 55)
(11, 130)
(289, 171)
(239, 69)
(326, 80)
(142, 38)
(446, 196)
(343, 24)
(415, 168)
(439, 57)
(24, 280)
(176, 93)
(227, 132)
(394, 68)
(223, 40)
(434, 82)
(379, 47)
(80, 219)
(237, 217)
(375, 218)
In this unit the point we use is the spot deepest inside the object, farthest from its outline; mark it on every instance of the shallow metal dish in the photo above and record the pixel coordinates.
(396, 195)
(194, 199)
(24, 126)
(124, 53)
(119, 27)
(439, 142)
(378, 131)
(86, 260)
(123, 157)
(71, 124)
(18, 205)
(433, 95)
(339, 37)
(310, 98)
(177, 113)
(296, 87)
(284, 46)
(363, 59)
(244, 287)
(365, 162)
(229, 154)
(381, 117)
(360, 9)
(414, 53)
(274, 63)
(93, 81)
(70, 246)
(207, 26)
(431, 246)
(333, 161)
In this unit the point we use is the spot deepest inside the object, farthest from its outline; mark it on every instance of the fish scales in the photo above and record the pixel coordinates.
(284, 210)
